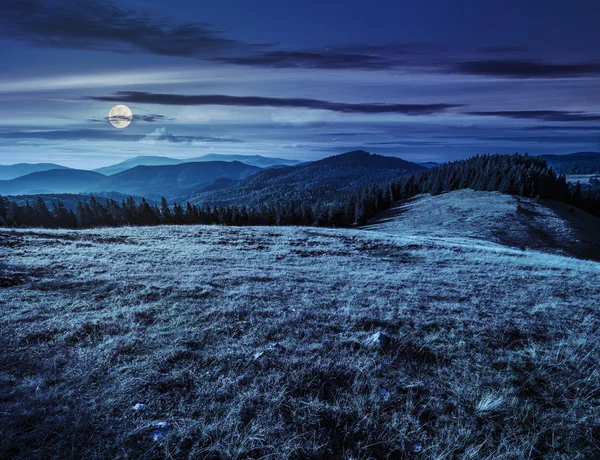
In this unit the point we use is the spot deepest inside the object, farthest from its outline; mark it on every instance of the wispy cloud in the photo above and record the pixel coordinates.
(313, 59)
(562, 128)
(161, 135)
(87, 24)
(70, 134)
(136, 97)
(527, 69)
(164, 136)
(151, 118)
(544, 115)
(104, 25)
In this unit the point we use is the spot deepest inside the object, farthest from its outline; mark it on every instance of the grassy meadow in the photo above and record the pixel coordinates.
(267, 343)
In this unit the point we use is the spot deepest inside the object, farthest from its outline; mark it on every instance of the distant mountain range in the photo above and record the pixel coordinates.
(215, 182)
(148, 181)
(574, 163)
(252, 160)
(326, 179)
(137, 161)
(8, 172)
(54, 181)
(175, 180)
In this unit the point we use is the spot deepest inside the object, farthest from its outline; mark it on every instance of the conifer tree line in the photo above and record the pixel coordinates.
(512, 174)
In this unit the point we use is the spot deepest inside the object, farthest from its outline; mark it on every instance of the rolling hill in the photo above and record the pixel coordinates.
(149, 181)
(175, 180)
(8, 172)
(253, 160)
(467, 215)
(329, 179)
(54, 181)
(137, 161)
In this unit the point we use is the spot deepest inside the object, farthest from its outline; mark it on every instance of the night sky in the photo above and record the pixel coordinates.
(429, 80)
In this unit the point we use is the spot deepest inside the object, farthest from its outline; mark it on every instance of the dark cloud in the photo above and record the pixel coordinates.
(545, 115)
(87, 24)
(258, 101)
(366, 57)
(541, 139)
(562, 128)
(526, 69)
(312, 59)
(151, 118)
(411, 143)
(104, 25)
(502, 49)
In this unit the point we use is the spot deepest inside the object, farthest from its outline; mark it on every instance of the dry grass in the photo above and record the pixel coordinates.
(260, 343)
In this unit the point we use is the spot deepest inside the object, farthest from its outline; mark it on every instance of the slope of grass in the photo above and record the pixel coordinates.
(510, 220)
(212, 342)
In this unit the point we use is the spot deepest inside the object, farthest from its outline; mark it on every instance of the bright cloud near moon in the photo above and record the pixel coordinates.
(120, 116)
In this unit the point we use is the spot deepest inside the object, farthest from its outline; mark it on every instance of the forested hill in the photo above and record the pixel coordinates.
(327, 181)
(574, 163)
(512, 174)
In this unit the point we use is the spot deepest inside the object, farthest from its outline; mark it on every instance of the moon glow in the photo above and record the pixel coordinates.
(120, 116)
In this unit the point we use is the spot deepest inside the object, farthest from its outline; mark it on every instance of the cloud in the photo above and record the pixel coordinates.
(90, 25)
(360, 57)
(313, 59)
(160, 135)
(544, 115)
(526, 69)
(151, 118)
(163, 136)
(104, 25)
(107, 26)
(70, 134)
(542, 139)
(502, 49)
(136, 97)
(562, 128)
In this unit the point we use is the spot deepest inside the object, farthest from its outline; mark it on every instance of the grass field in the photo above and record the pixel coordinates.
(213, 342)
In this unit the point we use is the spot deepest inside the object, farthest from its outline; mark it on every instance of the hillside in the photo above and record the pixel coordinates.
(325, 181)
(574, 163)
(219, 342)
(175, 180)
(53, 181)
(519, 222)
(8, 172)
(137, 161)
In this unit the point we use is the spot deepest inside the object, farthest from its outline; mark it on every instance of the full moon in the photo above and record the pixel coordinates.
(120, 116)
